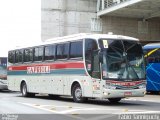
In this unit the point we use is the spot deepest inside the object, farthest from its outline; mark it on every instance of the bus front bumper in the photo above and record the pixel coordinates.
(109, 93)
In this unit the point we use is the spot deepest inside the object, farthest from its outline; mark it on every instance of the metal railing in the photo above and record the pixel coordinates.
(102, 4)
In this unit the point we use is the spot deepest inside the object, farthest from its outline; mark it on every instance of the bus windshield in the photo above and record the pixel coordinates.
(122, 60)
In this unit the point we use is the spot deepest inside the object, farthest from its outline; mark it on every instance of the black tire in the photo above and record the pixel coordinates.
(77, 94)
(114, 100)
(25, 92)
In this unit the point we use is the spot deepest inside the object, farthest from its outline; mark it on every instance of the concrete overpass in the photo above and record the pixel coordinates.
(144, 9)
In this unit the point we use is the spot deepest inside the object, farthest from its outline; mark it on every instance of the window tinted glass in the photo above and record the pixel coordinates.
(28, 55)
(38, 54)
(76, 49)
(11, 57)
(18, 56)
(95, 66)
(62, 51)
(153, 55)
(49, 52)
(90, 46)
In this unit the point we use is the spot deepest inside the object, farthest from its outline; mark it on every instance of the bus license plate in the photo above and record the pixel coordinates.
(127, 93)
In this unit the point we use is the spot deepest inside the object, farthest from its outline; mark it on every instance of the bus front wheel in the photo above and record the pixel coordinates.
(77, 94)
(114, 100)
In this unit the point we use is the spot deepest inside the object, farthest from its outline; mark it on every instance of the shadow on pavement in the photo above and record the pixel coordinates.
(7, 91)
(89, 101)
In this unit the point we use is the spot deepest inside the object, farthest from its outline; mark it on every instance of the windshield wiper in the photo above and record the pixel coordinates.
(135, 73)
(127, 63)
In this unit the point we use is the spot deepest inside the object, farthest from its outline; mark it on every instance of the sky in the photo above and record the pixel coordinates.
(20, 24)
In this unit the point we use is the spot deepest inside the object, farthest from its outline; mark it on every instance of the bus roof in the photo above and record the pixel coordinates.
(90, 35)
(78, 37)
(151, 46)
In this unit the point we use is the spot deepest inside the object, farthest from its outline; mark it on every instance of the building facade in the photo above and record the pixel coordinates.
(65, 17)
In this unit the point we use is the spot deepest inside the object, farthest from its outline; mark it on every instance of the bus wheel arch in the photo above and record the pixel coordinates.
(76, 92)
(24, 90)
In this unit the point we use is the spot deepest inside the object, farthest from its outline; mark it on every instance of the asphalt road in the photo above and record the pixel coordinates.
(41, 107)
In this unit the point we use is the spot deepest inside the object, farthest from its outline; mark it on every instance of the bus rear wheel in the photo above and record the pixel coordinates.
(77, 94)
(114, 100)
(25, 92)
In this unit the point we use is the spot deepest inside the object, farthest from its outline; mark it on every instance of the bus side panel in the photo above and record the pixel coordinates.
(10, 83)
(85, 83)
(45, 84)
(66, 83)
(153, 77)
(36, 83)
(88, 89)
(14, 83)
(54, 80)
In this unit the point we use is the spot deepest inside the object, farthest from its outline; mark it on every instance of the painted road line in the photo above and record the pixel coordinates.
(38, 107)
(78, 110)
(74, 109)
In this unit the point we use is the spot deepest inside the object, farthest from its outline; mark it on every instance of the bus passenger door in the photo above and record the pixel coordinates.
(96, 75)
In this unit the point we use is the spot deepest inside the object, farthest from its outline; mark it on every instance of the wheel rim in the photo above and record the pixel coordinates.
(24, 90)
(78, 93)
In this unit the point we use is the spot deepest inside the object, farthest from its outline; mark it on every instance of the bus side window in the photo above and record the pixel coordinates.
(49, 52)
(38, 54)
(154, 57)
(151, 59)
(18, 56)
(90, 46)
(62, 51)
(157, 58)
(11, 56)
(76, 49)
(28, 55)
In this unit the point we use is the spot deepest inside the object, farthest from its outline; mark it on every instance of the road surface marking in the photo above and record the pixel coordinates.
(77, 110)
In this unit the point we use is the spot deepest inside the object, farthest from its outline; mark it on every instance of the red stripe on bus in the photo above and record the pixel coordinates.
(67, 65)
(52, 65)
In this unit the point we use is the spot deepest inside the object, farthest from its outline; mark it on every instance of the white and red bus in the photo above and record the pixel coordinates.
(82, 65)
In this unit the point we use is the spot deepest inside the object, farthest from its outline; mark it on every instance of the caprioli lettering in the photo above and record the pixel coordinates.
(38, 69)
